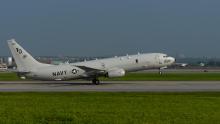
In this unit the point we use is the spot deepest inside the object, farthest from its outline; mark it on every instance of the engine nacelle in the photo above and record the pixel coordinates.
(116, 73)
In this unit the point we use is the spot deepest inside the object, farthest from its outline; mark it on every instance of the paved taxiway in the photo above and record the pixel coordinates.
(109, 86)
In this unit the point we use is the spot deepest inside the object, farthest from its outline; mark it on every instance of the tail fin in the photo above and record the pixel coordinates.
(25, 62)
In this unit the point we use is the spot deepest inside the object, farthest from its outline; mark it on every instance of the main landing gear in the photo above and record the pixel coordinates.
(160, 71)
(96, 81)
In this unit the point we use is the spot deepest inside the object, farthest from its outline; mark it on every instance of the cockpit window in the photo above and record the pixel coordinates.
(165, 56)
(167, 61)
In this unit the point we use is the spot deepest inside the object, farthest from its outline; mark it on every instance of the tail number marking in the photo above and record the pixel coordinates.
(19, 50)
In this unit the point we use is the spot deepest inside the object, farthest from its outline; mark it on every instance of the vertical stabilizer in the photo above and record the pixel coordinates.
(25, 62)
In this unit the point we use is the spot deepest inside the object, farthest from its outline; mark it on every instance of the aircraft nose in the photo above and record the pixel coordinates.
(173, 60)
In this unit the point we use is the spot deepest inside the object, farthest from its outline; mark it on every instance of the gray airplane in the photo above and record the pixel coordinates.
(28, 67)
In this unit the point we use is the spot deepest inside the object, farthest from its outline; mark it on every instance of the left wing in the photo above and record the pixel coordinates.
(92, 71)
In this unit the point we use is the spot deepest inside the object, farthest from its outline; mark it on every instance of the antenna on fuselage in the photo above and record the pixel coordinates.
(128, 56)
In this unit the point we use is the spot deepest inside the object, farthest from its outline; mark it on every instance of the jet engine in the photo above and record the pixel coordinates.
(116, 73)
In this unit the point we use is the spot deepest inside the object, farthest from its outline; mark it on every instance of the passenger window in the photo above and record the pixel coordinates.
(136, 60)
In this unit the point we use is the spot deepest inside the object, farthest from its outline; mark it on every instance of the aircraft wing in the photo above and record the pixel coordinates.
(92, 71)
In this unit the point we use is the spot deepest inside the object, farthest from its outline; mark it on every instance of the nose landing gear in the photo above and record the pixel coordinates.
(160, 71)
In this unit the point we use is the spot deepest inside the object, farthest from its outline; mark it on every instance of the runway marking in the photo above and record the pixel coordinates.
(109, 86)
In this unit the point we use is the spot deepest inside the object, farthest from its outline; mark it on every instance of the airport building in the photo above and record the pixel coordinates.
(3, 67)
(6, 62)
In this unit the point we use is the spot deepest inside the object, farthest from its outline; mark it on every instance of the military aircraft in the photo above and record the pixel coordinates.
(28, 67)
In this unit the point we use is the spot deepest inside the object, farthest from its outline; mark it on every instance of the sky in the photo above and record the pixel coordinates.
(111, 27)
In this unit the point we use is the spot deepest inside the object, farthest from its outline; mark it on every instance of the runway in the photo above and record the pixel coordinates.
(109, 86)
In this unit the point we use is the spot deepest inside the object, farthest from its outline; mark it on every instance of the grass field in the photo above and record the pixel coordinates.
(9, 77)
(110, 108)
(145, 77)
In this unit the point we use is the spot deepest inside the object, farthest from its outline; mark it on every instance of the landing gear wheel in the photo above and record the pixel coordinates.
(96, 81)
(160, 72)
